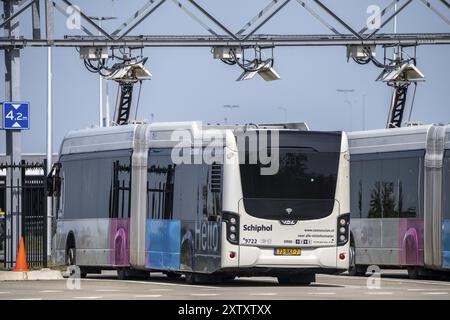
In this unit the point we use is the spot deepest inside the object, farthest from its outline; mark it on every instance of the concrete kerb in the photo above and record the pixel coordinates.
(43, 274)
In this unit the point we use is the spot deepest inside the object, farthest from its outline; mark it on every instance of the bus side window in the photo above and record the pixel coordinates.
(120, 206)
(187, 192)
(160, 186)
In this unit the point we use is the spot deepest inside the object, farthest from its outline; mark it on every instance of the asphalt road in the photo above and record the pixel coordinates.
(393, 285)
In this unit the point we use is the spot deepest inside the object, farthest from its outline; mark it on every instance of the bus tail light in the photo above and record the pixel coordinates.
(343, 225)
(232, 225)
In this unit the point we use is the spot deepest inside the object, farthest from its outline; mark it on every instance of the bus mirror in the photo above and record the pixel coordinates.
(54, 182)
(53, 186)
(49, 186)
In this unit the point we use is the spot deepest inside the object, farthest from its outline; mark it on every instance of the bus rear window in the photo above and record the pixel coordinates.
(304, 186)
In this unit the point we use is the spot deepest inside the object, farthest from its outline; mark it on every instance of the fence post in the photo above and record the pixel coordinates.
(21, 190)
(47, 218)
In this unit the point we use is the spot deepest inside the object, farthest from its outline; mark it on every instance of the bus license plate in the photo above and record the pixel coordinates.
(287, 252)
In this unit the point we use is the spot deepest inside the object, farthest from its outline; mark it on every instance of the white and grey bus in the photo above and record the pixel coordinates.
(400, 199)
(124, 202)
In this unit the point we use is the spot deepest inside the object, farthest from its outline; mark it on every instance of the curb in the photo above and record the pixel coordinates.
(43, 274)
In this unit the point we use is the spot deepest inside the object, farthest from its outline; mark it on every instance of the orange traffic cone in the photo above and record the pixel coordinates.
(21, 260)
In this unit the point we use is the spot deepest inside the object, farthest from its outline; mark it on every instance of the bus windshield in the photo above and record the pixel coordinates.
(305, 184)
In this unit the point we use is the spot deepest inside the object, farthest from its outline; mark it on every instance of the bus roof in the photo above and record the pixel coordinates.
(98, 139)
(124, 137)
(385, 140)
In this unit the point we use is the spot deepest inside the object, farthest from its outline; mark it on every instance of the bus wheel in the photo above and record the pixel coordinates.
(196, 278)
(70, 256)
(123, 274)
(71, 260)
(83, 273)
(191, 278)
(352, 262)
(227, 278)
(413, 272)
(173, 275)
(297, 280)
(354, 269)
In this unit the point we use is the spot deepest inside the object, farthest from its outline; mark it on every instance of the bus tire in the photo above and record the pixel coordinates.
(123, 274)
(227, 278)
(353, 269)
(191, 278)
(71, 256)
(83, 273)
(413, 272)
(71, 259)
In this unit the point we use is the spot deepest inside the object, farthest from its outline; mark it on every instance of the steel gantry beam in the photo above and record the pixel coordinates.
(266, 40)
(342, 34)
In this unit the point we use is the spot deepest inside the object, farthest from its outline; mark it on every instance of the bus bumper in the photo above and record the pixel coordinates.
(325, 257)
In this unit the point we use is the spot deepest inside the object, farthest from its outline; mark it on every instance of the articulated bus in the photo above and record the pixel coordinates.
(203, 201)
(400, 199)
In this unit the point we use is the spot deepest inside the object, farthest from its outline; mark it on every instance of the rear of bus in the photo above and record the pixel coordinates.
(294, 223)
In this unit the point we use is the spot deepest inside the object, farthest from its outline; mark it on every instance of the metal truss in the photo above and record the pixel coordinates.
(341, 33)
(398, 106)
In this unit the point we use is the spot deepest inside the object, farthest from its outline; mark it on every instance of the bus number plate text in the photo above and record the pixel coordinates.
(287, 252)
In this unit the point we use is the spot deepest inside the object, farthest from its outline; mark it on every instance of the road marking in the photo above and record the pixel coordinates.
(94, 297)
(379, 292)
(337, 285)
(204, 294)
(5, 292)
(148, 296)
(50, 291)
(213, 289)
(29, 299)
(264, 294)
(436, 283)
(107, 290)
(393, 280)
(414, 289)
(436, 293)
(429, 289)
(161, 289)
(153, 283)
(324, 293)
(178, 285)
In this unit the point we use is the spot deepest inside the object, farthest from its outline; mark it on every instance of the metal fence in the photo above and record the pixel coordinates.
(23, 212)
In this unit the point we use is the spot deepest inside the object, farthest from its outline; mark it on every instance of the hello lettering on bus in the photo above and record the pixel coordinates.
(206, 236)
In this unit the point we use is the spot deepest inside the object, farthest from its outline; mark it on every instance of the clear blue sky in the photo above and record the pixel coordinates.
(188, 84)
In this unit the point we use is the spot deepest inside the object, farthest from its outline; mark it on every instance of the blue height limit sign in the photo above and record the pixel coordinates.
(16, 115)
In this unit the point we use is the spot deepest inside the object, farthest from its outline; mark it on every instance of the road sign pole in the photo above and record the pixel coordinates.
(13, 137)
(49, 145)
